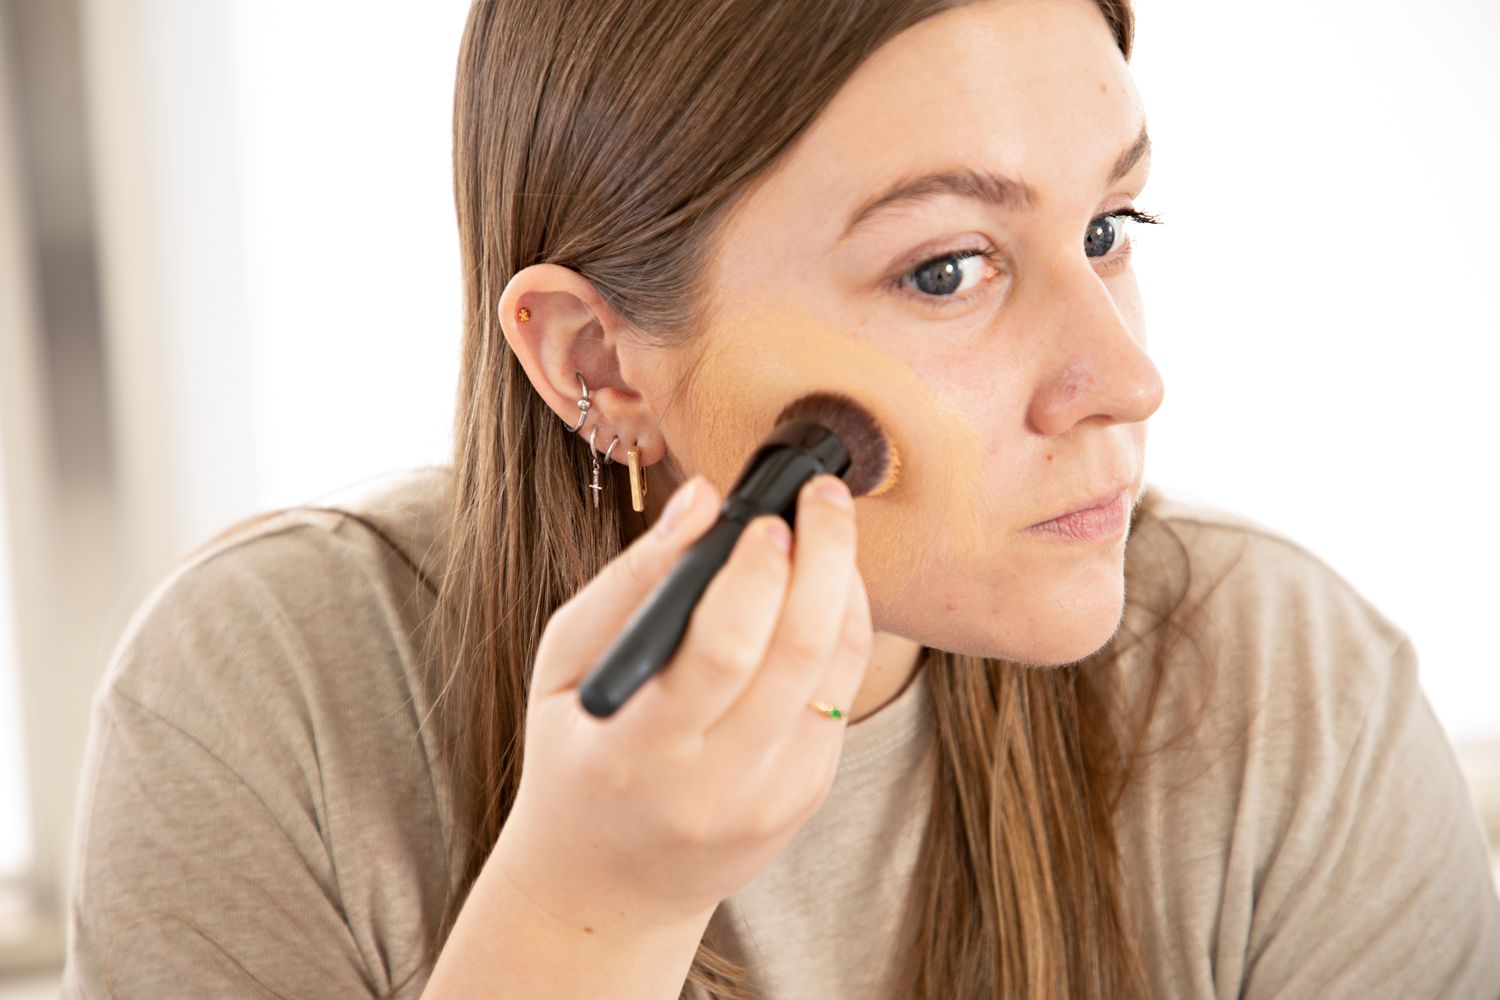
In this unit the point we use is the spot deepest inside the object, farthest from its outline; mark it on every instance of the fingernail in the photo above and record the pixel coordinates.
(832, 489)
(679, 503)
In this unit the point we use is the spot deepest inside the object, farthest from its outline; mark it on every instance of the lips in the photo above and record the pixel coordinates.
(1102, 500)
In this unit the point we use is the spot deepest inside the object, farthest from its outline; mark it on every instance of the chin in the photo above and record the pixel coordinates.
(1044, 630)
(1076, 646)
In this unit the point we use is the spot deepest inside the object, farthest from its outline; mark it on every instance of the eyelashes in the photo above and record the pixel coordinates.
(1118, 255)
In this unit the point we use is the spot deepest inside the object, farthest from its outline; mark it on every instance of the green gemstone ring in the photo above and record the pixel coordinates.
(823, 707)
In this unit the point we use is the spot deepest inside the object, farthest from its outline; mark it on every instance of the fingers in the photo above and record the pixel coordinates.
(584, 626)
(815, 743)
(846, 672)
(811, 627)
(728, 634)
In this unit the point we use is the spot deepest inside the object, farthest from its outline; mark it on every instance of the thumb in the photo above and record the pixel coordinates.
(589, 622)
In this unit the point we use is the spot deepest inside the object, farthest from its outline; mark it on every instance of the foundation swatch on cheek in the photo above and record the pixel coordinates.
(762, 358)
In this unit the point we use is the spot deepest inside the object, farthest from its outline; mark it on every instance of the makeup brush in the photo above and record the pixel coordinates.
(821, 432)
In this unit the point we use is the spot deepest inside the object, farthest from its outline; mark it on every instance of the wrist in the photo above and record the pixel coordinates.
(572, 898)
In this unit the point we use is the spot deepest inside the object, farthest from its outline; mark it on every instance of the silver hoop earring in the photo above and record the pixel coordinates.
(583, 404)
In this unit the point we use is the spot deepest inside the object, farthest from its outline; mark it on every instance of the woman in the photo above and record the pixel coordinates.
(939, 748)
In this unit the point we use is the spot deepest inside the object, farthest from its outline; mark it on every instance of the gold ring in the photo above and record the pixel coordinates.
(828, 709)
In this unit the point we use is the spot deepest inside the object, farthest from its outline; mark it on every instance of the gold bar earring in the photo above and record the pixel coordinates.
(637, 481)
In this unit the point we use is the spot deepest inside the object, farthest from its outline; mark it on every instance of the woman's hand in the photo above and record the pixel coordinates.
(698, 782)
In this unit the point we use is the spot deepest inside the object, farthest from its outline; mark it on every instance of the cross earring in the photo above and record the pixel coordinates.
(596, 486)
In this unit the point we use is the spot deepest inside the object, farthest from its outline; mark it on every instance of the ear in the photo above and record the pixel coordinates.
(572, 330)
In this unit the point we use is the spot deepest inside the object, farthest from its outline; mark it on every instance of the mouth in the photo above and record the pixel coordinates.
(1099, 520)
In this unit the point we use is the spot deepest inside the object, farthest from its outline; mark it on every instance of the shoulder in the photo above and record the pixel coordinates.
(1254, 576)
(1297, 797)
(1244, 657)
(259, 734)
(1255, 617)
(323, 602)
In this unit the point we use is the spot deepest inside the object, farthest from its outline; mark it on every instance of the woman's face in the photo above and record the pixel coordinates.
(1013, 381)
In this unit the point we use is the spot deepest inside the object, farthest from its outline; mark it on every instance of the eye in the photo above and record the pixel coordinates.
(1106, 236)
(937, 280)
(949, 280)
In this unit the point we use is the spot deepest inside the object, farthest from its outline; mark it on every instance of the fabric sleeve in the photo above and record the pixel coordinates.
(257, 814)
(186, 885)
(1395, 897)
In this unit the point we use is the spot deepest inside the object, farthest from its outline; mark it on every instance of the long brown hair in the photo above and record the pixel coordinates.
(614, 142)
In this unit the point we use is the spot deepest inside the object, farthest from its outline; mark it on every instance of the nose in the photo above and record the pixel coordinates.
(1100, 367)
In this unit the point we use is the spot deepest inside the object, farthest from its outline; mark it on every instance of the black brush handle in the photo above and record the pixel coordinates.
(769, 485)
(656, 629)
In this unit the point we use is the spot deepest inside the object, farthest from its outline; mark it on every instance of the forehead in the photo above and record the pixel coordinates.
(1032, 89)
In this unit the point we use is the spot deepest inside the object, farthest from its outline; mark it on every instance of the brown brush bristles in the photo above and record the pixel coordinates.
(874, 464)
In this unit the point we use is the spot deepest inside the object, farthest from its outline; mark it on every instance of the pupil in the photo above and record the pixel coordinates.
(948, 276)
(1100, 237)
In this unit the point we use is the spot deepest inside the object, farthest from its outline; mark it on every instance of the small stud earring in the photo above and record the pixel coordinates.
(523, 314)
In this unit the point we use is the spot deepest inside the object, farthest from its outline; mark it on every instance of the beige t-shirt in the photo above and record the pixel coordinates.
(258, 794)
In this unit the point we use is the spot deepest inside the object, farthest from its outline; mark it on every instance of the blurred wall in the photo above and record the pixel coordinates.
(167, 157)
(55, 468)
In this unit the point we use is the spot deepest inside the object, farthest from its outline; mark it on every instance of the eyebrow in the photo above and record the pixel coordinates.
(980, 185)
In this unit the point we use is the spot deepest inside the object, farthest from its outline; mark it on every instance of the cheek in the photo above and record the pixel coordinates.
(758, 361)
(719, 415)
(933, 546)
(953, 503)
